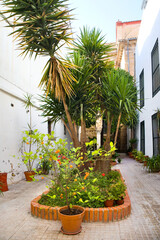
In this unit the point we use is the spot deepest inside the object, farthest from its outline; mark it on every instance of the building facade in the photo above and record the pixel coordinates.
(148, 79)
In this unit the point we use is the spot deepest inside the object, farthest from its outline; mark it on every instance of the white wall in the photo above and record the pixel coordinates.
(18, 76)
(148, 34)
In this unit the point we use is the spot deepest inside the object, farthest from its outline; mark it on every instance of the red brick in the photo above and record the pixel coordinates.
(91, 214)
(100, 214)
(119, 213)
(51, 213)
(110, 214)
(42, 213)
(96, 215)
(55, 210)
(106, 213)
(86, 216)
(115, 214)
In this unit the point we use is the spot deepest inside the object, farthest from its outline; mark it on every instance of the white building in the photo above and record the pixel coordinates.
(18, 76)
(148, 78)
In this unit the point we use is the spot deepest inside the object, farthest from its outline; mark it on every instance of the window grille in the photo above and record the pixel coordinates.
(141, 79)
(156, 134)
(142, 137)
(155, 69)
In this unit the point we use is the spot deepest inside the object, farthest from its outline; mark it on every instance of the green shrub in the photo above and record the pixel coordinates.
(153, 163)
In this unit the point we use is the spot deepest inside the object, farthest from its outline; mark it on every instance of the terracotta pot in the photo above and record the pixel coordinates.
(145, 163)
(28, 175)
(3, 182)
(120, 201)
(71, 224)
(109, 203)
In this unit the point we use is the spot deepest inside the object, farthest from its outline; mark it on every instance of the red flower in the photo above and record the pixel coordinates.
(103, 174)
(63, 157)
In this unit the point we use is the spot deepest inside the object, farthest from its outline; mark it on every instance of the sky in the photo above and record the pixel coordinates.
(103, 14)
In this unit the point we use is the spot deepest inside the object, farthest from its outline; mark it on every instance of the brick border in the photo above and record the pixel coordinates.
(107, 214)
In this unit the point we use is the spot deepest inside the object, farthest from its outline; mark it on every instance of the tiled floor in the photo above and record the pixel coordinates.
(16, 222)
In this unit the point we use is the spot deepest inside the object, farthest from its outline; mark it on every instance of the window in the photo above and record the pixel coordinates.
(64, 130)
(155, 69)
(141, 80)
(142, 137)
(156, 133)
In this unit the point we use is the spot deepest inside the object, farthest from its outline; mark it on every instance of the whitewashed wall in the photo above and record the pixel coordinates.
(18, 76)
(148, 34)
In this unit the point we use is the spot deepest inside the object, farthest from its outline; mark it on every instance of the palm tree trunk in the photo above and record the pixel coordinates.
(108, 137)
(74, 136)
(117, 129)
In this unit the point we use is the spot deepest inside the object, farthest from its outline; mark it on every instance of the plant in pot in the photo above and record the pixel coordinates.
(3, 182)
(31, 144)
(66, 166)
(115, 189)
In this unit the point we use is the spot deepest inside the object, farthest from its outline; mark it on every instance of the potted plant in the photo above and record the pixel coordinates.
(3, 182)
(31, 143)
(66, 166)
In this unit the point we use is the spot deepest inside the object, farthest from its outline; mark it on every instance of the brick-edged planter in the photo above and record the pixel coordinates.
(106, 214)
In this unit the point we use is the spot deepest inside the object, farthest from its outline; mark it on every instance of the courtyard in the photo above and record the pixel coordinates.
(17, 223)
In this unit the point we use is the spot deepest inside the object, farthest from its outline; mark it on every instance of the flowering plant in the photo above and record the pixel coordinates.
(31, 144)
(71, 183)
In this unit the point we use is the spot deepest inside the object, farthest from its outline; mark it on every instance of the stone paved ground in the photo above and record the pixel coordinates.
(16, 222)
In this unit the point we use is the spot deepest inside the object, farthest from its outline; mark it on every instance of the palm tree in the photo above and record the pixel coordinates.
(42, 28)
(82, 106)
(119, 100)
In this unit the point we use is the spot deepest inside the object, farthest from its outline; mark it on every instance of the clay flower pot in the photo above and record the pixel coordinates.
(3, 182)
(29, 175)
(109, 203)
(71, 224)
(120, 201)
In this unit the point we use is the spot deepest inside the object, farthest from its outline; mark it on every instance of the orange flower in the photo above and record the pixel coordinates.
(74, 193)
(42, 142)
(83, 188)
(75, 180)
(79, 165)
(86, 175)
(50, 159)
(27, 142)
(81, 157)
(40, 157)
(71, 166)
(57, 151)
(67, 187)
(42, 177)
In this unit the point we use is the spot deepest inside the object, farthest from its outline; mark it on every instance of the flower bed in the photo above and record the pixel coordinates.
(108, 214)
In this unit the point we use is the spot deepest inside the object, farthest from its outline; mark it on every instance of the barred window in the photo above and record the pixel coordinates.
(156, 134)
(142, 137)
(141, 80)
(155, 69)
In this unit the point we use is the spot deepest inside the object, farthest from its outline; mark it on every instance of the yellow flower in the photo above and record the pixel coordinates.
(71, 166)
(75, 180)
(81, 157)
(67, 187)
(74, 193)
(79, 165)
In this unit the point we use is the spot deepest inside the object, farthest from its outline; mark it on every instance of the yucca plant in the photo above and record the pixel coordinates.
(41, 28)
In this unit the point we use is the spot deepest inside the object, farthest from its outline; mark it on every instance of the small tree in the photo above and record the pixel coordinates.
(119, 100)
